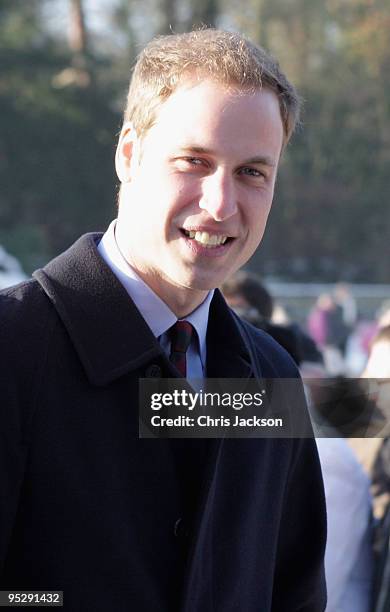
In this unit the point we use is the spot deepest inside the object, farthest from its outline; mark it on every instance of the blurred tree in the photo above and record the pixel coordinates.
(77, 32)
(332, 193)
(56, 142)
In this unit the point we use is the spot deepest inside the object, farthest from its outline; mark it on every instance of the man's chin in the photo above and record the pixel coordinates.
(204, 284)
(195, 278)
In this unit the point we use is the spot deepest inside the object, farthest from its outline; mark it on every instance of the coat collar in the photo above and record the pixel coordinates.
(227, 355)
(107, 330)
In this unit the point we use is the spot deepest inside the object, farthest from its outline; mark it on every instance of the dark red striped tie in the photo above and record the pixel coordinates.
(180, 335)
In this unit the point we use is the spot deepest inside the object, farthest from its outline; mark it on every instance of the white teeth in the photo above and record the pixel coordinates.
(202, 237)
(206, 239)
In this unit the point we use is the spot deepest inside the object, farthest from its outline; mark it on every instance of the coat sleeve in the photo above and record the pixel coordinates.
(22, 351)
(12, 462)
(300, 576)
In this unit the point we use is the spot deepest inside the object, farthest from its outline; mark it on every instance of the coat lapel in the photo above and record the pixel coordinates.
(227, 356)
(107, 330)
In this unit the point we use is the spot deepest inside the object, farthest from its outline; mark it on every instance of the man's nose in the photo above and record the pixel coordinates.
(218, 196)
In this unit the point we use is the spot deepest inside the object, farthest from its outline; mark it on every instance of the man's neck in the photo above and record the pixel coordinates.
(181, 300)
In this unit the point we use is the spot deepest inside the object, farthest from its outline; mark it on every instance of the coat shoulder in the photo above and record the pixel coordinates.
(26, 321)
(24, 311)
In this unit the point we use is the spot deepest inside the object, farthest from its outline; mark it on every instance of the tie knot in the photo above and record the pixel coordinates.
(181, 334)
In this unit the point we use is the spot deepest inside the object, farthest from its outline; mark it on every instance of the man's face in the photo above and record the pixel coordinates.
(194, 204)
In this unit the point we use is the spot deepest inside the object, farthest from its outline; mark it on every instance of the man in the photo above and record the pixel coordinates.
(127, 524)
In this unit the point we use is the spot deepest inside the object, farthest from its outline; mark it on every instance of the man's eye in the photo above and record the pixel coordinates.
(194, 161)
(252, 172)
(190, 164)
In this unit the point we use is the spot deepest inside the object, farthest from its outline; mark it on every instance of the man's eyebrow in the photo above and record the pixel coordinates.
(263, 160)
(196, 149)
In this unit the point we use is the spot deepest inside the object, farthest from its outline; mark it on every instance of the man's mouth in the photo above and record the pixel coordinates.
(206, 239)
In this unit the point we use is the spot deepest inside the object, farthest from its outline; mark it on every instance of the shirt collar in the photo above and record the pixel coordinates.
(156, 313)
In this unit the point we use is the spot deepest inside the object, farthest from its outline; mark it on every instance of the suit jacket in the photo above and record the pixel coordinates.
(127, 524)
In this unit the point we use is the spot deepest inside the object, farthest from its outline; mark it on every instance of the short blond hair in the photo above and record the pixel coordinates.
(225, 57)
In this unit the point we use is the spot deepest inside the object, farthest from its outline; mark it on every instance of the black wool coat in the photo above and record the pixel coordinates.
(124, 524)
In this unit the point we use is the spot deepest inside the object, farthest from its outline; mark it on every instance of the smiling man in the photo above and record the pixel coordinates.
(194, 205)
(128, 524)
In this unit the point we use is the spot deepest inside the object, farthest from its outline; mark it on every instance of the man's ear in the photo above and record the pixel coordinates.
(127, 153)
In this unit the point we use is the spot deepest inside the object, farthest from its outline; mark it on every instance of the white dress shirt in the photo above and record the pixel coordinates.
(156, 313)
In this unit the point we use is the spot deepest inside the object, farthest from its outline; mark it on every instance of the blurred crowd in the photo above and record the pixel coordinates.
(342, 335)
(345, 364)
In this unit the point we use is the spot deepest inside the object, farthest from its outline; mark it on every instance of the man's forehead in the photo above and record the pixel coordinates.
(197, 88)
(202, 118)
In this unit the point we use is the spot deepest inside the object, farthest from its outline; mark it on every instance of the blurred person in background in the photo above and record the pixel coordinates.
(326, 327)
(339, 407)
(383, 314)
(348, 555)
(377, 373)
(372, 452)
(344, 299)
(378, 364)
(248, 296)
(358, 346)
(318, 319)
(361, 338)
